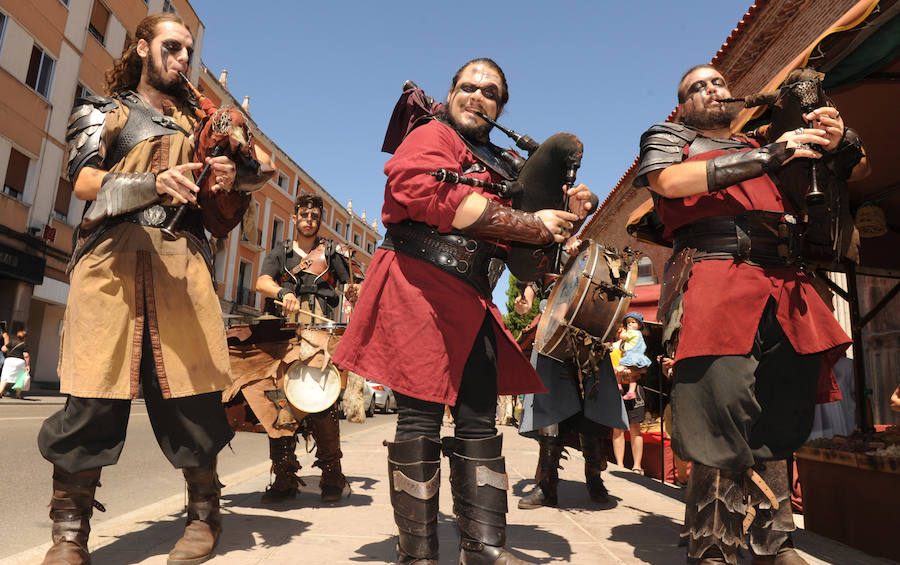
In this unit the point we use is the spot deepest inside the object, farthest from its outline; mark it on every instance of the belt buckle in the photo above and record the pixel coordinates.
(154, 215)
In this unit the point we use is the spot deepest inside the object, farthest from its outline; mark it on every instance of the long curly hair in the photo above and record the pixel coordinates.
(126, 73)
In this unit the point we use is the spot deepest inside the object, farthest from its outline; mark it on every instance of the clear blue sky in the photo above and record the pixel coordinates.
(323, 78)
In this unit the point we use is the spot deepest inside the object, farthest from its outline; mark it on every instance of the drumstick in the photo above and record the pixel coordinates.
(323, 318)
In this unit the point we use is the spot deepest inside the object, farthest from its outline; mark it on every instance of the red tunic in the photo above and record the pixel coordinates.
(414, 325)
(724, 300)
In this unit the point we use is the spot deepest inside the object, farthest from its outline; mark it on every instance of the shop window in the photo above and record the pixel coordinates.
(63, 199)
(645, 273)
(16, 174)
(40, 71)
(99, 21)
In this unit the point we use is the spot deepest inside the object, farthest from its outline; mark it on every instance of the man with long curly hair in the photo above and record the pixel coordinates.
(142, 316)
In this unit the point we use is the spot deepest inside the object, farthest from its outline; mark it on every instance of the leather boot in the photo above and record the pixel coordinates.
(204, 524)
(594, 463)
(479, 483)
(326, 431)
(286, 483)
(714, 514)
(544, 493)
(770, 530)
(70, 509)
(414, 474)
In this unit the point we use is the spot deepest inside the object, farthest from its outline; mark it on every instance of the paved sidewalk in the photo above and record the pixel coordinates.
(639, 525)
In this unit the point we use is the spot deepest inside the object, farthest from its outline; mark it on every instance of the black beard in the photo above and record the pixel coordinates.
(712, 118)
(475, 133)
(176, 89)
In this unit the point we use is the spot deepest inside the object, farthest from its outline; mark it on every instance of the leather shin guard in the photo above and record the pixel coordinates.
(594, 464)
(204, 523)
(414, 474)
(71, 509)
(714, 512)
(547, 477)
(479, 483)
(325, 429)
(286, 483)
(771, 528)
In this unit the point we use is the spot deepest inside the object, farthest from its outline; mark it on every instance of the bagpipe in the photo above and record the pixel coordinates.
(816, 188)
(531, 184)
(220, 132)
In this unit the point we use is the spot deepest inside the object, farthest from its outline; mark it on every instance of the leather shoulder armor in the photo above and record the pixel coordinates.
(703, 145)
(84, 130)
(662, 145)
(142, 123)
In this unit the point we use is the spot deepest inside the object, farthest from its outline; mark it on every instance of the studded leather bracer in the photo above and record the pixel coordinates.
(727, 170)
(120, 193)
(508, 224)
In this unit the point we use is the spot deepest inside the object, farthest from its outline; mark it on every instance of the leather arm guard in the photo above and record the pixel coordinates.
(728, 170)
(120, 193)
(847, 154)
(509, 224)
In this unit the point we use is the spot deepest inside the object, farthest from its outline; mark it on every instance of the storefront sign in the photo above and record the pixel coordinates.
(17, 264)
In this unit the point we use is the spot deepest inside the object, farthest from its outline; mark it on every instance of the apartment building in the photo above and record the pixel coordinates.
(52, 51)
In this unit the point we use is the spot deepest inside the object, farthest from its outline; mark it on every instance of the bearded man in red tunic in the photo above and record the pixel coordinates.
(756, 341)
(425, 324)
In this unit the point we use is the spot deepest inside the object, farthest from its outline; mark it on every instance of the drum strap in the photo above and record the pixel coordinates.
(764, 239)
(464, 257)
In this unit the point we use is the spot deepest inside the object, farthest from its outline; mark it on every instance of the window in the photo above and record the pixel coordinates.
(370, 248)
(16, 174)
(356, 239)
(99, 21)
(63, 199)
(282, 181)
(243, 294)
(2, 27)
(40, 71)
(645, 272)
(338, 228)
(80, 92)
(168, 7)
(65, 3)
(277, 231)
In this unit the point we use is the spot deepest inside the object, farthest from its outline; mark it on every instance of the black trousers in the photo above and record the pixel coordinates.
(732, 411)
(476, 405)
(90, 432)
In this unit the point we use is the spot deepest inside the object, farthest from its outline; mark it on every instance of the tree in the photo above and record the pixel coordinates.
(514, 321)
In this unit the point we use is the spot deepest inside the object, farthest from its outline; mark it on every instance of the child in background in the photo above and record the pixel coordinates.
(631, 350)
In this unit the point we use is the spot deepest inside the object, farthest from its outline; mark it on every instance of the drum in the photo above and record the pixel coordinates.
(312, 383)
(587, 303)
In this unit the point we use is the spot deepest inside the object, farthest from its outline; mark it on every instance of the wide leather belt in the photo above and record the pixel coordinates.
(767, 239)
(464, 257)
(155, 216)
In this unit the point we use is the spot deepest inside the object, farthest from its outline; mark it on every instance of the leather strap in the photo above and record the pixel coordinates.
(756, 237)
(464, 257)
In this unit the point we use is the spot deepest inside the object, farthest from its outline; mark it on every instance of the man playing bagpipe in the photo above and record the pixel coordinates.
(756, 340)
(142, 315)
(305, 275)
(425, 324)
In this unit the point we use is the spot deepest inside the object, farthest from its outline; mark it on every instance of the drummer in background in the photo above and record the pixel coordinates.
(305, 275)
(565, 410)
(429, 333)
